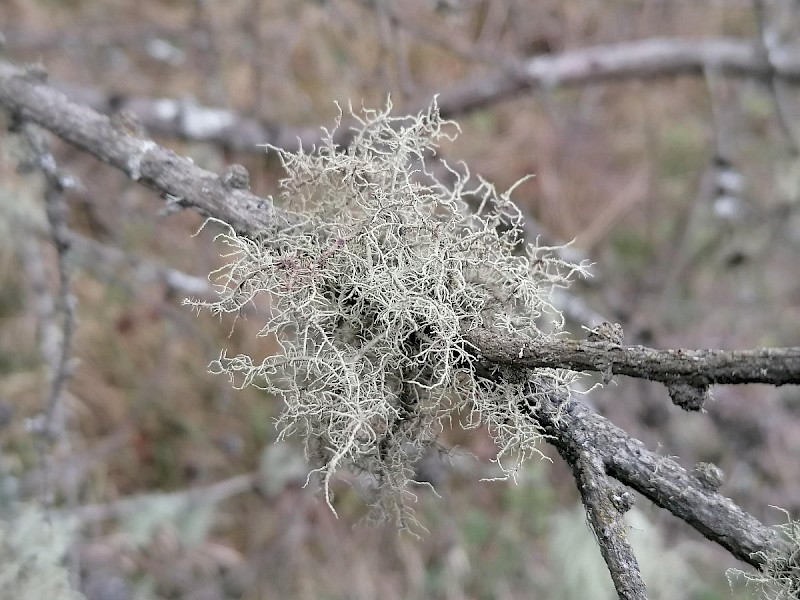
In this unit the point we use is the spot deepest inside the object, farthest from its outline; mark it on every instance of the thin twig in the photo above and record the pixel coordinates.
(107, 260)
(56, 348)
(783, 119)
(198, 496)
(57, 213)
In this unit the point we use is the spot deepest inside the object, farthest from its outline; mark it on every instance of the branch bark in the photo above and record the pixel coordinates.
(660, 479)
(177, 178)
(644, 59)
(605, 504)
(698, 368)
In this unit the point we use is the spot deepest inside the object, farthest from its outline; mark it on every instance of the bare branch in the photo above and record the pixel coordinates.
(65, 473)
(53, 423)
(776, 96)
(174, 176)
(646, 59)
(198, 496)
(605, 504)
(699, 368)
(56, 209)
(99, 257)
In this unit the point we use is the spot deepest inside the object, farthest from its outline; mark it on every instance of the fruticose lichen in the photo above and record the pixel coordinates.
(370, 297)
(33, 547)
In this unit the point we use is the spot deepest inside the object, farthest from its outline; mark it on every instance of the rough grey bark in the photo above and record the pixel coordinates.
(25, 96)
(699, 368)
(659, 478)
(605, 502)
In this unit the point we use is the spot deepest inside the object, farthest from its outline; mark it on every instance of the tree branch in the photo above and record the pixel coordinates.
(100, 258)
(698, 368)
(57, 356)
(605, 504)
(191, 497)
(177, 178)
(660, 479)
(645, 59)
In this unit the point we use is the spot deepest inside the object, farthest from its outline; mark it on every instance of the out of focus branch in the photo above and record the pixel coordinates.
(186, 119)
(198, 496)
(99, 257)
(766, 46)
(56, 348)
(646, 59)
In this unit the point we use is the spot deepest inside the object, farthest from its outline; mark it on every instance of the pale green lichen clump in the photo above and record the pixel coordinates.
(33, 546)
(370, 297)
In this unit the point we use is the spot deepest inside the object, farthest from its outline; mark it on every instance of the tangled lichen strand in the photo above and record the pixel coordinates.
(370, 296)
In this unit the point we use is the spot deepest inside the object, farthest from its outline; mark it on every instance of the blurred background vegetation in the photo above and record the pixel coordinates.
(170, 479)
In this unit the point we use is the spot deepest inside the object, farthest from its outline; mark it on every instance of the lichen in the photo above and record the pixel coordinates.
(370, 297)
(33, 547)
